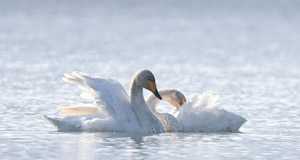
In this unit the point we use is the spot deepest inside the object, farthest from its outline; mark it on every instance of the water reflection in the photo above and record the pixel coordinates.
(120, 146)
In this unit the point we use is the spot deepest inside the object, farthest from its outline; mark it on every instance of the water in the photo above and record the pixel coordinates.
(245, 52)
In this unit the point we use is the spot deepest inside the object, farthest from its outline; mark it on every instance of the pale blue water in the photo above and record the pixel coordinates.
(246, 52)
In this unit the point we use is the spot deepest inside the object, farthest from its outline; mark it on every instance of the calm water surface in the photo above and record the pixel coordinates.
(247, 53)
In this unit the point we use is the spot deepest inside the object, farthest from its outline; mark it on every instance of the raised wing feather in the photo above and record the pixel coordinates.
(106, 92)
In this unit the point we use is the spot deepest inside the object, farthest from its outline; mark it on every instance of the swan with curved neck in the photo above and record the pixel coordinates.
(130, 114)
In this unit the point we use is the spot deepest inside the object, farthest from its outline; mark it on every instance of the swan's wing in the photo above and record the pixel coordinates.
(106, 92)
(79, 110)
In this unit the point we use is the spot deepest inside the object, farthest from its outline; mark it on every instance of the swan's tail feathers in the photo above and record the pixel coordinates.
(54, 121)
(69, 125)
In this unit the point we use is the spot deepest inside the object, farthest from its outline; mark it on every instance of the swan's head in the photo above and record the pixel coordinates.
(146, 79)
(174, 97)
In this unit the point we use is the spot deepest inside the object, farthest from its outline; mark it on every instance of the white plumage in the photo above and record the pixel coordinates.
(114, 112)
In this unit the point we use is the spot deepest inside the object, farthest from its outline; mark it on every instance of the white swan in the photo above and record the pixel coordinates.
(125, 115)
(200, 114)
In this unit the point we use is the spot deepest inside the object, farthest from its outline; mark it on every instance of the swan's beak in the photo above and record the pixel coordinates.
(157, 94)
(151, 86)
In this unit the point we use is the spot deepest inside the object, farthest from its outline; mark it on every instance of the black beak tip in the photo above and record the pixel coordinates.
(157, 95)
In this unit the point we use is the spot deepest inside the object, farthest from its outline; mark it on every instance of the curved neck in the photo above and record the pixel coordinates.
(145, 117)
(136, 94)
(137, 100)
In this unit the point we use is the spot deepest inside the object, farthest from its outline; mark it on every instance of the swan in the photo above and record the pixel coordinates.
(126, 114)
(200, 114)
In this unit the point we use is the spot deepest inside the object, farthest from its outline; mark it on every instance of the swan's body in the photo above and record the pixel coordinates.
(125, 115)
(200, 114)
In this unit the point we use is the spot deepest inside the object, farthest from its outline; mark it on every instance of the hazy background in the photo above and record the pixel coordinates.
(247, 52)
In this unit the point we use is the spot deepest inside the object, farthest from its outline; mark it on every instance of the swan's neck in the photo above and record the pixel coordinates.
(137, 100)
(145, 117)
(136, 94)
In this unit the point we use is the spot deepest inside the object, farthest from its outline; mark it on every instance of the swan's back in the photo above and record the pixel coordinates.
(200, 115)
